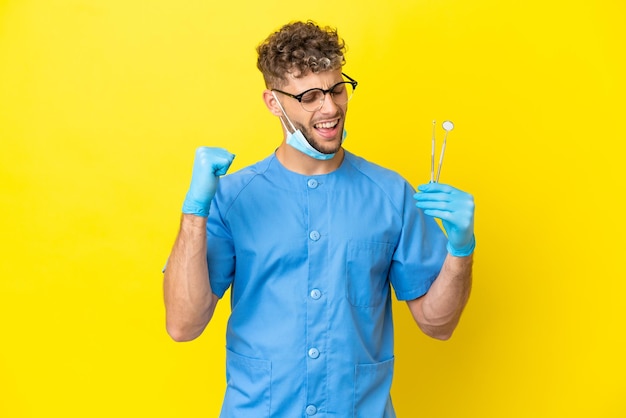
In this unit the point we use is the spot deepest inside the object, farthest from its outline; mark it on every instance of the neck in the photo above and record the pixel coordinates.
(294, 160)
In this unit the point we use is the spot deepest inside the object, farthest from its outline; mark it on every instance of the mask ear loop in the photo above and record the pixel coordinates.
(284, 113)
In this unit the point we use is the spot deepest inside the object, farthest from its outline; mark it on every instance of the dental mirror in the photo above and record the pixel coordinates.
(447, 126)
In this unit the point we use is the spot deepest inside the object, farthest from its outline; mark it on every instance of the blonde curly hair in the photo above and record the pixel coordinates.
(297, 49)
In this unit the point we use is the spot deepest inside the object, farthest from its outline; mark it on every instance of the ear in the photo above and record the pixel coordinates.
(271, 103)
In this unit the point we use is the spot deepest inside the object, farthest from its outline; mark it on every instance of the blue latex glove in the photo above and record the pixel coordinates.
(208, 166)
(455, 208)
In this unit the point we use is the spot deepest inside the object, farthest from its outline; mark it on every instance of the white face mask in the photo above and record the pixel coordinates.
(297, 140)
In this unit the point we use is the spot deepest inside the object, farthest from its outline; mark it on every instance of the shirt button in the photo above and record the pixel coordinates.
(311, 410)
(314, 235)
(314, 353)
(316, 294)
(312, 183)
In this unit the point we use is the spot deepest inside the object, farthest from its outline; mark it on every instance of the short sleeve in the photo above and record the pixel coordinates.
(420, 253)
(220, 250)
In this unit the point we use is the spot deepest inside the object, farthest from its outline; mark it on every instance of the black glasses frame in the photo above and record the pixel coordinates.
(298, 97)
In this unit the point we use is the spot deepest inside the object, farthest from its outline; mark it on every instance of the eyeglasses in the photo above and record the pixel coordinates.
(312, 100)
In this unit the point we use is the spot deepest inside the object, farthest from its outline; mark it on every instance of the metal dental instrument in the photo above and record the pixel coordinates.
(447, 126)
(432, 156)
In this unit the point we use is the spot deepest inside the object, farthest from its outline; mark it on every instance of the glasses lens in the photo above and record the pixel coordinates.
(342, 92)
(313, 100)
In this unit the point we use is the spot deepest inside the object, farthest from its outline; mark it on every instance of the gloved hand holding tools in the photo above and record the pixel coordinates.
(455, 208)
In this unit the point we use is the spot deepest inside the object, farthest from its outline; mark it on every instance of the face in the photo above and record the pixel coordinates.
(323, 128)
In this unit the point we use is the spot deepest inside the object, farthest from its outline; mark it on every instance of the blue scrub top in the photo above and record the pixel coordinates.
(310, 260)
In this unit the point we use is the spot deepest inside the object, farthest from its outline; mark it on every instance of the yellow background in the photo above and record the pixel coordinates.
(102, 103)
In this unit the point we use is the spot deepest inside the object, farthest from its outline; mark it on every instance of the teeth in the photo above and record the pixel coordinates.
(326, 125)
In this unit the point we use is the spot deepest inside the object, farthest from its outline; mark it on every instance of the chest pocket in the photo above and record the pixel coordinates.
(367, 268)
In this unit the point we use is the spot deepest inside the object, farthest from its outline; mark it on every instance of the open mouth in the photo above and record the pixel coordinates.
(328, 128)
(326, 125)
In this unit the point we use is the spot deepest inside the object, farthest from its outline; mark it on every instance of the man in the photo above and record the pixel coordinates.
(310, 241)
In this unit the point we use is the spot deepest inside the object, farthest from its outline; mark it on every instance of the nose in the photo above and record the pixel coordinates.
(328, 104)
